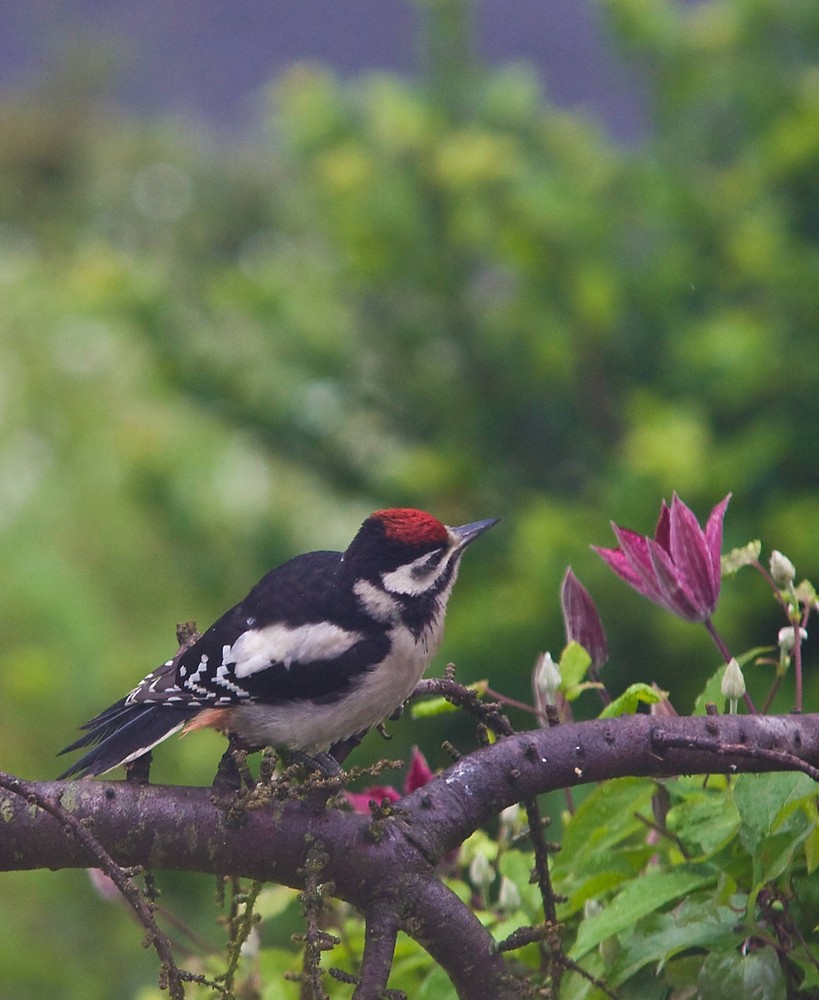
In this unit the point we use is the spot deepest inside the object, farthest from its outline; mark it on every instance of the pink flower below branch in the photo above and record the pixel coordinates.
(418, 775)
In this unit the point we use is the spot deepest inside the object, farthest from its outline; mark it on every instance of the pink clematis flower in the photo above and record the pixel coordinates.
(418, 775)
(360, 801)
(679, 568)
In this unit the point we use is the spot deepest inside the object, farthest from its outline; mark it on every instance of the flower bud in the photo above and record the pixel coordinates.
(511, 821)
(252, 945)
(545, 680)
(508, 895)
(104, 885)
(733, 684)
(581, 620)
(481, 873)
(786, 638)
(782, 569)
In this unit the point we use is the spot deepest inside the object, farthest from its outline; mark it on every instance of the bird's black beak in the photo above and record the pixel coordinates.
(468, 532)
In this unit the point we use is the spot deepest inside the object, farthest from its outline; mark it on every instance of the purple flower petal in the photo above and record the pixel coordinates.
(713, 540)
(419, 772)
(617, 561)
(692, 558)
(662, 533)
(676, 597)
(679, 568)
(581, 619)
(635, 549)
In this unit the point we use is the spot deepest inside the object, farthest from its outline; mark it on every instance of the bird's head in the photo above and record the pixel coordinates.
(409, 552)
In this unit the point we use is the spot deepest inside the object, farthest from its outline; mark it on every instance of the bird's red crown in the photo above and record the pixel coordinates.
(404, 524)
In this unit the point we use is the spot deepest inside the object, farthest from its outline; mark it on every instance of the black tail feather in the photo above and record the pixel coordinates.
(101, 726)
(124, 732)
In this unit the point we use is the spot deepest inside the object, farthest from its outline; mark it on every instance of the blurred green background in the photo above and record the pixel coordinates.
(445, 294)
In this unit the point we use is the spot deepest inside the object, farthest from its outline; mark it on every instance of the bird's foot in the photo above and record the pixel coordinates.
(233, 776)
(138, 771)
(322, 762)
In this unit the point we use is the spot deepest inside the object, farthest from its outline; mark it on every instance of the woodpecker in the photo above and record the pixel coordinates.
(323, 648)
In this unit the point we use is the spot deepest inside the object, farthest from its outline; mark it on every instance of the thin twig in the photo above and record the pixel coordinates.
(797, 657)
(663, 831)
(547, 895)
(240, 927)
(789, 761)
(315, 939)
(511, 702)
(119, 876)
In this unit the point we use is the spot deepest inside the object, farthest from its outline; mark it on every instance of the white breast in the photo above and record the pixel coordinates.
(311, 727)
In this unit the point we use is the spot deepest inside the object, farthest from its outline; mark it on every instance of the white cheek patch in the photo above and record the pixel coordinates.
(256, 649)
(376, 602)
(416, 577)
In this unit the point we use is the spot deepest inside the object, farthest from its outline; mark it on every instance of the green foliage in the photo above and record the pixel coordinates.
(630, 700)
(212, 358)
(685, 884)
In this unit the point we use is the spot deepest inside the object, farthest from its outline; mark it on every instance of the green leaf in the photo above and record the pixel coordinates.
(411, 966)
(765, 801)
(642, 896)
(634, 695)
(598, 857)
(436, 986)
(697, 923)
(801, 796)
(273, 900)
(812, 849)
(618, 800)
(746, 555)
(478, 842)
(753, 976)
(273, 964)
(599, 879)
(808, 964)
(574, 662)
(711, 693)
(806, 593)
(705, 820)
(774, 824)
(574, 692)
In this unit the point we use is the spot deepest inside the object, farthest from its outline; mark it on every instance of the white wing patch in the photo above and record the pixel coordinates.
(221, 677)
(192, 682)
(256, 649)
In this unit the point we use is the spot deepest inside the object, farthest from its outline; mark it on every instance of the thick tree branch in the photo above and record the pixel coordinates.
(382, 924)
(478, 786)
(392, 867)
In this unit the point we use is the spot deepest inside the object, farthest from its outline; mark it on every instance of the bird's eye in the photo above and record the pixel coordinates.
(424, 566)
